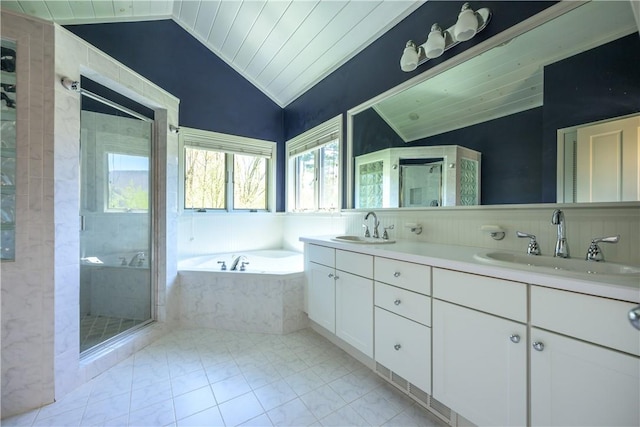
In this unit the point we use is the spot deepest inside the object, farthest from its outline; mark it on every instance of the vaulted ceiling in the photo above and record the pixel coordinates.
(283, 47)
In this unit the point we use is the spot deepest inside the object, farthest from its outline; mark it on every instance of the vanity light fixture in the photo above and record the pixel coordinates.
(469, 23)
(173, 129)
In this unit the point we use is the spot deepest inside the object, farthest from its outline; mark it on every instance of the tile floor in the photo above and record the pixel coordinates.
(96, 329)
(204, 377)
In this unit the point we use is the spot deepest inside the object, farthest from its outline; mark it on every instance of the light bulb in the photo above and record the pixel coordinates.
(434, 46)
(467, 24)
(409, 60)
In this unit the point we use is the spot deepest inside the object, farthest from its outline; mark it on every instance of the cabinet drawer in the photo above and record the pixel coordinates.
(500, 297)
(354, 263)
(404, 347)
(414, 277)
(409, 304)
(598, 320)
(322, 255)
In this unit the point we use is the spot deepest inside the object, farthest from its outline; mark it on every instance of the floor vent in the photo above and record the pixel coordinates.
(442, 410)
(385, 372)
(417, 394)
(399, 381)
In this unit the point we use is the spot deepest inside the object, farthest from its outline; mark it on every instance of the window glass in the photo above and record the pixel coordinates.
(329, 182)
(128, 179)
(249, 182)
(204, 179)
(314, 168)
(306, 181)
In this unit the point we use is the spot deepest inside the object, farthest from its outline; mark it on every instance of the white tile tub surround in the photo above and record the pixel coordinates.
(202, 233)
(247, 302)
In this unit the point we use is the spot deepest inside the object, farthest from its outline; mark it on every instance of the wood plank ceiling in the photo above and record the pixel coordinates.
(283, 47)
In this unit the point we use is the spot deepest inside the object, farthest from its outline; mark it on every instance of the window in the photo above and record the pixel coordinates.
(128, 183)
(313, 168)
(226, 172)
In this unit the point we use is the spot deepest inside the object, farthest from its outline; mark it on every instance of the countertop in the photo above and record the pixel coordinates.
(462, 258)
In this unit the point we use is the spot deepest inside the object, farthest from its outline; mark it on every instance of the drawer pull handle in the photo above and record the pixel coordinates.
(397, 347)
(330, 275)
(397, 302)
(396, 274)
(538, 346)
(634, 317)
(515, 338)
(333, 276)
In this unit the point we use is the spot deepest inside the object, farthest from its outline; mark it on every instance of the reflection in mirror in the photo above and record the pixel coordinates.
(510, 101)
(418, 177)
(600, 162)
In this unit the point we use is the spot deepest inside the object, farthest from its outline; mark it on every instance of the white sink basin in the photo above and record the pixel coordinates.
(572, 265)
(361, 240)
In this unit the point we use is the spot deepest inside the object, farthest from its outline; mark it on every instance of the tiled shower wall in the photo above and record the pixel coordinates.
(27, 282)
(73, 58)
(40, 290)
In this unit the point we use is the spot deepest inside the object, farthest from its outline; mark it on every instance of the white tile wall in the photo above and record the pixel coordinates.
(461, 226)
(73, 58)
(457, 226)
(28, 283)
(40, 290)
(210, 233)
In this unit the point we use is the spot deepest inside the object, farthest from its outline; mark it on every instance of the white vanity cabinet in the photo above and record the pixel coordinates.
(585, 368)
(340, 295)
(480, 347)
(321, 297)
(403, 319)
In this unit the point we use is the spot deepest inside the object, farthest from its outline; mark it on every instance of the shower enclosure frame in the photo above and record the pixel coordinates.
(152, 227)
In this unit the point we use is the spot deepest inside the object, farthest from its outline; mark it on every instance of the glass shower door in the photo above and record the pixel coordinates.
(116, 221)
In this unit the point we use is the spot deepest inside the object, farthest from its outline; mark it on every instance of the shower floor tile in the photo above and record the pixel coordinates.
(230, 378)
(96, 329)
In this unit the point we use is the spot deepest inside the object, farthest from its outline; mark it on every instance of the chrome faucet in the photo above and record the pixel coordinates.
(562, 248)
(532, 248)
(234, 264)
(137, 260)
(594, 253)
(376, 223)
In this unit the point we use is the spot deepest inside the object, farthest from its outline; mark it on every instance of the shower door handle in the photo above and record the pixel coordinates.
(82, 223)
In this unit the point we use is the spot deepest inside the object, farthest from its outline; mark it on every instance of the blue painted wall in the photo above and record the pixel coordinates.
(510, 146)
(598, 84)
(214, 97)
(377, 68)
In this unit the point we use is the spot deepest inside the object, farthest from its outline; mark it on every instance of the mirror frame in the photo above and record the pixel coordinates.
(548, 14)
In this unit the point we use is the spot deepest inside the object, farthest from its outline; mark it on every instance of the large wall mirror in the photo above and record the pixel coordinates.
(514, 101)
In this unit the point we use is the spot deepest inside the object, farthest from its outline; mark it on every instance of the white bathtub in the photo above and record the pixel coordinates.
(272, 261)
(267, 297)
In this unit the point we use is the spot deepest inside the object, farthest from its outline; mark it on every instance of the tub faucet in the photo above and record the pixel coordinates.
(234, 264)
(376, 223)
(562, 248)
(137, 259)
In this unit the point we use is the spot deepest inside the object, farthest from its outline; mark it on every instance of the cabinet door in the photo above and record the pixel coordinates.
(478, 369)
(404, 346)
(322, 296)
(576, 383)
(354, 311)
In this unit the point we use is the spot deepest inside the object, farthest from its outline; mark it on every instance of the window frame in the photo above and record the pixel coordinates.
(229, 145)
(313, 140)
